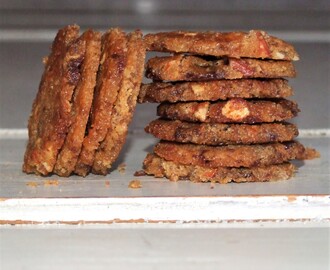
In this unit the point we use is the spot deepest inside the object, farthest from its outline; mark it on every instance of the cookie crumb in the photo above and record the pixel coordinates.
(135, 184)
(140, 173)
(122, 168)
(236, 109)
(51, 183)
(32, 184)
(107, 183)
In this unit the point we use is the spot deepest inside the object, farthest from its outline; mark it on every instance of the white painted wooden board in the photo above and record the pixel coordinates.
(30, 198)
(311, 178)
(160, 247)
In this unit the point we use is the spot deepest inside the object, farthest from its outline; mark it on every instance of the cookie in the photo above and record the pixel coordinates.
(230, 155)
(221, 134)
(195, 68)
(81, 104)
(112, 65)
(51, 111)
(214, 90)
(124, 106)
(234, 110)
(158, 167)
(254, 44)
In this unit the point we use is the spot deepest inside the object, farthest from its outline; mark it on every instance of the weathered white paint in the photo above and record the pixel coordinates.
(166, 209)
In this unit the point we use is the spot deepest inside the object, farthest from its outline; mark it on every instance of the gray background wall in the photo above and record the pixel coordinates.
(28, 27)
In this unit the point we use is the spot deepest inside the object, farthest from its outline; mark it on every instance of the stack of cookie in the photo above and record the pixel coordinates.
(85, 102)
(223, 107)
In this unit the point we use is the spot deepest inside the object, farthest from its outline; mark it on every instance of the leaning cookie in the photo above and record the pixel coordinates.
(124, 105)
(81, 104)
(51, 112)
(159, 167)
(112, 63)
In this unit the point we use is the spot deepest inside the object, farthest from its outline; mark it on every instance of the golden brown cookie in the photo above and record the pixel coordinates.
(112, 65)
(254, 44)
(51, 112)
(214, 90)
(154, 165)
(81, 104)
(124, 106)
(230, 155)
(195, 68)
(221, 134)
(234, 110)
